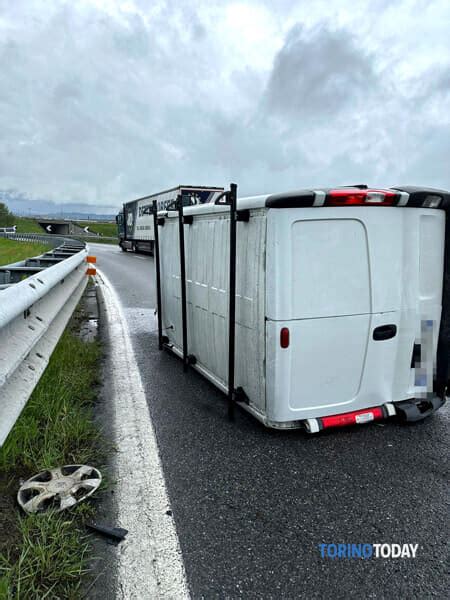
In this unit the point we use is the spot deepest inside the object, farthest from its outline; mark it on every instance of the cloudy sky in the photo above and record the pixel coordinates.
(102, 101)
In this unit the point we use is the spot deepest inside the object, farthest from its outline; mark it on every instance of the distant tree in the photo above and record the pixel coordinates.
(6, 217)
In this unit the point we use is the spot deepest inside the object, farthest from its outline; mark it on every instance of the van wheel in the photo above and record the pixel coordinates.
(311, 425)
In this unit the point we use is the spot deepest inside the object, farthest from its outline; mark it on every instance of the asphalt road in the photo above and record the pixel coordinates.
(252, 505)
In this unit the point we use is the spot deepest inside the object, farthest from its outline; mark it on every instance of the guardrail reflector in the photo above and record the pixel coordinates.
(91, 271)
(91, 259)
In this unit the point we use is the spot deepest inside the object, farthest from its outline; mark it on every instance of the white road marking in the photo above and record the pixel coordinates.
(150, 565)
(140, 320)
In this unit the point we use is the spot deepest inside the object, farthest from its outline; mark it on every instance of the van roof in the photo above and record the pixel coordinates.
(410, 196)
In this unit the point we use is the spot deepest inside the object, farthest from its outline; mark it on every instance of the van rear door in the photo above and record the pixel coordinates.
(356, 284)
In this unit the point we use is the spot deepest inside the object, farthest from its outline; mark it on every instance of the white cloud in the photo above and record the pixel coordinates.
(102, 101)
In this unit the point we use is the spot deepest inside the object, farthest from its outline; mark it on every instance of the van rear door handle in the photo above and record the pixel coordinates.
(384, 332)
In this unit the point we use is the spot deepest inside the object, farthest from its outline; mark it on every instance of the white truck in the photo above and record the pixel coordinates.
(314, 308)
(135, 221)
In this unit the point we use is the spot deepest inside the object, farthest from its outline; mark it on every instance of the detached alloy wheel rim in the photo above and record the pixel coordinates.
(58, 489)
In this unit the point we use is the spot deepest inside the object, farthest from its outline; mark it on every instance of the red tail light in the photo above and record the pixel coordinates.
(284, 337)
(353, 418)
(358, 197)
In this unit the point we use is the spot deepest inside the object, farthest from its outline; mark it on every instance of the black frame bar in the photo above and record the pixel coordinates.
(183, 281)
(232, 199)
(158, 273)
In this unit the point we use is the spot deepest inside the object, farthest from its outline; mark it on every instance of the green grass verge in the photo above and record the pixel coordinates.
(12, 251)
(51, 563)
(46, 556)
(25, 225)
(107, 229)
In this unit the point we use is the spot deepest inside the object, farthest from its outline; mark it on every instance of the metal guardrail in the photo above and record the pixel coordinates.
(55, 239)
(98, 239)
(52, 240)
(37, 298)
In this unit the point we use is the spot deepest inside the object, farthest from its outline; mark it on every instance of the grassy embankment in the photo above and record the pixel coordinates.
(12, 251)
(46, 556)
(106, 229)
(25, 225)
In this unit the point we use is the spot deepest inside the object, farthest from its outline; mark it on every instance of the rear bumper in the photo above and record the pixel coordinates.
(418, 409)
(357, 417)
(415, 409)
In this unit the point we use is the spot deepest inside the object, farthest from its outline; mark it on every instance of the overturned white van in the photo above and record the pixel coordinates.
(327, 310)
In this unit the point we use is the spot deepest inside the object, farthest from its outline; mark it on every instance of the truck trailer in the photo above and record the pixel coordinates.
(313, 308)
(135, 221)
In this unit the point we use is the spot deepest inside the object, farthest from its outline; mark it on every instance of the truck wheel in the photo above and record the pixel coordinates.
(122, 248)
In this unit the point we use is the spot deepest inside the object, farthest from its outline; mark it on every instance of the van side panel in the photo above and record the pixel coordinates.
(207, 279)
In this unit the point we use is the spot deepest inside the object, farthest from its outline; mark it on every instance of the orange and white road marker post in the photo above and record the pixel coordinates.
(91, 260)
